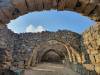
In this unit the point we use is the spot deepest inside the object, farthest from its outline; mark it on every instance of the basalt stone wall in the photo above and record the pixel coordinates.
(15, 48)
(11, 9)
(6, 47)
(21, 45)
(26, 42)
(5, 58)
(91, 40)
(6, 38)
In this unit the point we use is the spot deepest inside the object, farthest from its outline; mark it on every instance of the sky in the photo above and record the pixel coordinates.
(51, 20)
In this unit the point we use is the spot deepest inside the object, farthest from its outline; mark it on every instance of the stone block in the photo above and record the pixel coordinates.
(98, 41)
(31, 4)
(94, 52)
(20, 5)
(70, 4)
(89, 66)
(38, 5)
(89, 8)
(8, 12)
(3, 17)
(97, 68)
(81, 5)
(92, 58)
(47, 4)
(97, 57)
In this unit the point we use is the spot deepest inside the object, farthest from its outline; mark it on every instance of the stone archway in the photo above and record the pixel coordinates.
(51, 56)
(11, 9)
(61, 49)
(56, 50)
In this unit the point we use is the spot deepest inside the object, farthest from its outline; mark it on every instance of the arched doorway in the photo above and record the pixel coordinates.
(51, 53)
(51, 56)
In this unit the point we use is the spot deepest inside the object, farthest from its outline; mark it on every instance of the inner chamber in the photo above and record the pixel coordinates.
(52, 57)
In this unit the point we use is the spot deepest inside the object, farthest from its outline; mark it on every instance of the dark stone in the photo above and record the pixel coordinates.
(78, 4)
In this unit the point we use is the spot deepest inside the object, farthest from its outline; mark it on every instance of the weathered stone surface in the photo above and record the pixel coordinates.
(83, 52)
(97, 68)
(81, 5)
(20, 7)
(89, 8)
(8, 11)
(3, 17)
(68, 45)
(5, 58)
(89, 66)
(97, 58)
(22, 44)
(31, 4)
(92, 44)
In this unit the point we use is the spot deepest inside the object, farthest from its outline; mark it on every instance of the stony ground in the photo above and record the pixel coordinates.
(50, 69)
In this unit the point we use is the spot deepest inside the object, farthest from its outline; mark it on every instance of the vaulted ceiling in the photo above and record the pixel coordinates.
(11, 9)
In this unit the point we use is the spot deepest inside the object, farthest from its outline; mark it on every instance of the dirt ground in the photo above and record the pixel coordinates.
(50, 69)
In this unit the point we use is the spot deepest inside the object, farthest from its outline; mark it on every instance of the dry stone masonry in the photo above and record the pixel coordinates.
(92, 44)
(11, 9)
(81, 52)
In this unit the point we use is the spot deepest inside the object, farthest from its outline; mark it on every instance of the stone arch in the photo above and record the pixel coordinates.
(11, 9)
(74, 55)
(39, 51)
(37, 54)
(48, 48)
(54, 58)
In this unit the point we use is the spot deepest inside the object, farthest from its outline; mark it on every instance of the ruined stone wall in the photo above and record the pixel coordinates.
(21, 45)
(91, 40)
(6, 38)
(26, 42)
(6, 47)
(16, 48)
(11, 9)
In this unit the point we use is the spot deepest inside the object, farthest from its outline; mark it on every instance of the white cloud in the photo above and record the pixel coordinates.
(34, 29)
(29, 28)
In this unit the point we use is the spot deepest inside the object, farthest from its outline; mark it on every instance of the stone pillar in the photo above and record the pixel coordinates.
(91, 41)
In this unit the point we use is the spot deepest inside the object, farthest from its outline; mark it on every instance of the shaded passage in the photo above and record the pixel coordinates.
(52, 57)
(50, 69)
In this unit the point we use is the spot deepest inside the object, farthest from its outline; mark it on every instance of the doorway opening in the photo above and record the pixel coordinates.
(52, 56)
